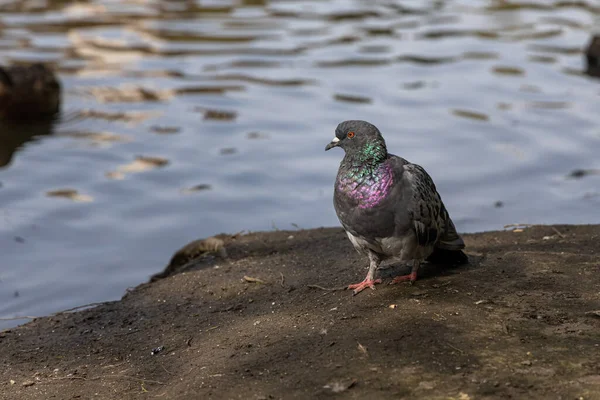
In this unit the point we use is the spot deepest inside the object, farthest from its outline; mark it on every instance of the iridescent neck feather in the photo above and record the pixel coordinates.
(370, 155)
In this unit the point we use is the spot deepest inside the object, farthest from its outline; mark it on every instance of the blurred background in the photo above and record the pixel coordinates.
(184, 119)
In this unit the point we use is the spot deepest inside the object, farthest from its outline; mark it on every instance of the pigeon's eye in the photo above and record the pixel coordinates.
(350, 135)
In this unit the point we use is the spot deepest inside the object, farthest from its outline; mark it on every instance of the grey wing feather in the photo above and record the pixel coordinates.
(431, 221)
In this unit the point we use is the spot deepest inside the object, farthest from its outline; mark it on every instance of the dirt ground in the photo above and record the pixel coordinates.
(521, 321)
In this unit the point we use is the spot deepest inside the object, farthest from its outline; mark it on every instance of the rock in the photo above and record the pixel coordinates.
(30, 92)
(592, 54)
(188, 254)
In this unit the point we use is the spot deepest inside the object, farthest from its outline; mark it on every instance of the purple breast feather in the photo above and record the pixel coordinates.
(368, 190)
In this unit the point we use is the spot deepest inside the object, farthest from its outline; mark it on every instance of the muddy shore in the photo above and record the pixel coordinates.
(522, 320)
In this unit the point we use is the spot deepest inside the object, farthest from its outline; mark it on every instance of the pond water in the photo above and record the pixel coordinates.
(183, 119)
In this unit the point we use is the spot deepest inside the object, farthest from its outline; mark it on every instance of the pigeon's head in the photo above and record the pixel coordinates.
(357, 137)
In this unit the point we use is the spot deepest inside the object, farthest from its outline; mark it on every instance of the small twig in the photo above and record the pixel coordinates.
(282, 283)
(114, 365)
(131, 377)
(253, 280)
(334, 289)
(166, 370)
(30, 350)
(363, 350)
(82, 306)
(455, 348)
(62, 378)
(558, 232)
(127, 333)
(95, 378)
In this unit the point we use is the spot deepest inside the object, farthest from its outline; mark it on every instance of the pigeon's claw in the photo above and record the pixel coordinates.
(412, 277)
(367, 283)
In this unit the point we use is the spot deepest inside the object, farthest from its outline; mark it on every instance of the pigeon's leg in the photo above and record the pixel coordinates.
(370, 281)
(410, 277)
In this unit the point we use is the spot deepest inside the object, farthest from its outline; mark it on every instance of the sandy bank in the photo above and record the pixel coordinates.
(522, 320)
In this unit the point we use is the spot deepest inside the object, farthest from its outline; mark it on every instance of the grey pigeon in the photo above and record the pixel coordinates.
(388, 206)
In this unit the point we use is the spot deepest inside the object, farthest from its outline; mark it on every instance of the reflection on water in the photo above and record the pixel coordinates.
(13, 135)
(183, 119)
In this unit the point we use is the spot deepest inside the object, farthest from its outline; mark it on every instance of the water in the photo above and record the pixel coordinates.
(241, 98)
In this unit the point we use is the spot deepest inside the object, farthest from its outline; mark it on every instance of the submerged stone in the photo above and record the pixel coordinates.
(28, 92)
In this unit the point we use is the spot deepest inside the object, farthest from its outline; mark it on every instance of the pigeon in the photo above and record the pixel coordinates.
(389, 207)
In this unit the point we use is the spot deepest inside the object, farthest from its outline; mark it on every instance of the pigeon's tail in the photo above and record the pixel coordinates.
(448, 249)
(450, 239)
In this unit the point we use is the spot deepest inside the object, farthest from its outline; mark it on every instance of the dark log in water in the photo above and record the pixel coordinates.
(592, 54)
(28, 92)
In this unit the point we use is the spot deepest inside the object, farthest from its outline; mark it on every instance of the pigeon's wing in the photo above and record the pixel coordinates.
(430, 219)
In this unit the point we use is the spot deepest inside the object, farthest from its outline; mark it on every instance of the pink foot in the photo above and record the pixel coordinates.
(403, 278)
(359, 287)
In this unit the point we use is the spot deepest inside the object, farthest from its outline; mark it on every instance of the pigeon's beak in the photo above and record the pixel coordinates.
(335, 142)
